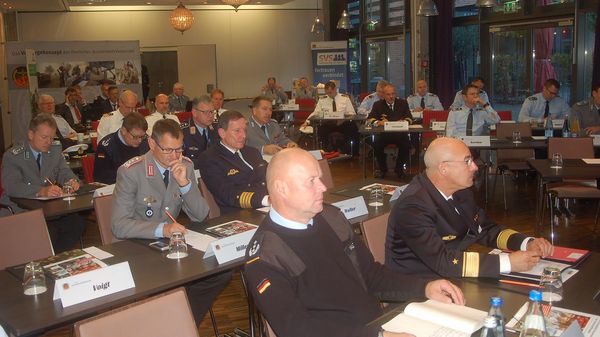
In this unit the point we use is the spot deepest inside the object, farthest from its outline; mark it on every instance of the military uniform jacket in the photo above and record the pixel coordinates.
(21, 177)
(277, 94)
(307, 93)
(111, 154)
(177, 103)
(109, 123)
(534, 106)
(456, 125)
(426, 234)
(587, 113)
(367, 103)
(459, 100)
(232, 183)
(156, 116)
(194, 142)
(140, 198)
(257, 138)
(381, 111)
(342, 103)
(432, 102)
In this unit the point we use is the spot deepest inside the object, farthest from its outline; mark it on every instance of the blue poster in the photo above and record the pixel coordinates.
(330, 63)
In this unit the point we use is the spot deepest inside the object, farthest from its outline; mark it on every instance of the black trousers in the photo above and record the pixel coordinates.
(381, 141)
(343, 137)
(65, 231)
(202, 294)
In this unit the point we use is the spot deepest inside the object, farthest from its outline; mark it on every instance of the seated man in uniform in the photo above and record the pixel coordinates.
(264, 133)
(177, 100)
(305, 90)
(307, 272)
(473, 118)
(423, 99)
(150, 185)
(112, 121)
(391, 108)
(199, 132)
(459, 98)
(538, 107)
(436, 219)
(233, 172)
(367, 103)
(587, 113)
(217, 97)
(161, 103)
(118, 147)
(37, 168)
(274, 91)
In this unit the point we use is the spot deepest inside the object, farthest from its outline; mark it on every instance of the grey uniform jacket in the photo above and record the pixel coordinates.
(587, 115)
(140, 198)
(21, 177)
(257, 138)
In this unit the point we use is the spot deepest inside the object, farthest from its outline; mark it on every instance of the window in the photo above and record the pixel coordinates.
(585, 53)
(387, 62)
(465, 46)
(396, 12)
(465, 8)
(354, 62)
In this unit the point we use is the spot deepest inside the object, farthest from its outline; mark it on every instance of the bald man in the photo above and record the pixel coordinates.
(307, 272)
(161, 105)
(436, 219)
(423, 99)
(177, 100)
(112, 121)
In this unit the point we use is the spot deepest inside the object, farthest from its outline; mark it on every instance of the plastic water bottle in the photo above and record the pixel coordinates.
(496, 312)
(489, 327)
(533, 324)
(548, 129)
(566, 131)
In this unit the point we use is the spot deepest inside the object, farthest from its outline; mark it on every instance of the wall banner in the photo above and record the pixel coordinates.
(330, 63)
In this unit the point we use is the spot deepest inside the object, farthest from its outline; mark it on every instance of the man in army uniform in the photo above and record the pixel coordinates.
(264, 133)
(423, 99)
(436, 219)
(459, 98)
(473, 118)
(587, 113)
(177, 100)
(112, 121)
(543, 104)
(233, 172)
(158, 182)
(305, 90)
(161, 103)
(118, 147)
(36, 168)
(367, 103)
(274, 91)
(199, 132)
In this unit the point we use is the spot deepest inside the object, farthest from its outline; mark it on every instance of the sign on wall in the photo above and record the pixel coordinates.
(330, 63)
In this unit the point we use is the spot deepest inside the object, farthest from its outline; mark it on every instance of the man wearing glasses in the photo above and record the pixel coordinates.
(264, 133)
(436, 219)
(118, 147)
(544, 104)
(473, 118)
(161, 103)
(112, 121)
(199, 132)
(150, 185)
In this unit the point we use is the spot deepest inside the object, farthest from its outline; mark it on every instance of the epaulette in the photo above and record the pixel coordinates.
(185, 125)
(107, 114)
(411, 95)
(532, 98)
(55, 143)
(344, 95)
(582, 103)
(17, 149)
(432, 95)
(371, 95)
(133, 161)
(324, 96)
(457, 109)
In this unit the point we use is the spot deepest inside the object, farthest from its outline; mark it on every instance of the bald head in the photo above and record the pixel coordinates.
(442, 149)
(449, 165)
(161, 103)
(422, 87)
(127, 102)
(283, 162)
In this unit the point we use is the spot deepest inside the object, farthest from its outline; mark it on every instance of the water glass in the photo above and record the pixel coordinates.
(177, 247)
(68, 192)
(552, 285)
(557, 161)
(516, 137)
(34, 280)
(376, 196)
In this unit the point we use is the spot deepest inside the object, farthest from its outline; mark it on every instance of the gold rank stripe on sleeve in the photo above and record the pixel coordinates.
(246, 199)
(470, 264)
(253, 260)
(502, 239)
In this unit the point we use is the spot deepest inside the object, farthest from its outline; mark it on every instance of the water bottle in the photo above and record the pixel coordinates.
(533, 323)
(496, 312)
(548, 129)
(566, 131)
(489, 327)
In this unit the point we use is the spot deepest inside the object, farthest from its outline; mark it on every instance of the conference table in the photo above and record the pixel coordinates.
(58, 206)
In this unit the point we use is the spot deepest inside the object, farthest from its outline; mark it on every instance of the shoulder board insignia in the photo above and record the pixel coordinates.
(232, 172)
(532, 98)
(457, 109)
(133, 161)
(432, 95)
(371, 96)
(324, 96)
(185, 125)
(100, 155)
(55, 143)
(582, 103)
(411, 95)
(344, 95)
(17, 149)
(449, 237)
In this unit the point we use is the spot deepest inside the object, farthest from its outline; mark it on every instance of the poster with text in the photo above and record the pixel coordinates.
(330, 63)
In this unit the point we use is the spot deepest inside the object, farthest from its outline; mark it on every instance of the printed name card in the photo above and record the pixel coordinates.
(476, 141)
(438, 126)
(395, 126)
(558, 123)
(93, 284)
(317, 154)
(328, 114)
(352, 208)
(230, 247)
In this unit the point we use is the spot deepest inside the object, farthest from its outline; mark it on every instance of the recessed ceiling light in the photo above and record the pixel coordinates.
(259, 2)
(5, 4)
(148, 3)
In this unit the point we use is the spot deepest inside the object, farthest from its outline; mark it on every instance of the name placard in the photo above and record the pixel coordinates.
(558, 123)
(317, 154)
(395, 126)
(476, 141)
(230, 247)
(352, 208)
(438, 126)
(596, 140)
(328, 114)
(93, 284)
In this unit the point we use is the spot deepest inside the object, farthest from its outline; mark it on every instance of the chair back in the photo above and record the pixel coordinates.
(167, 314)
(95, 125)
(505, 130)
(88, 168)
(306, 103)
(213, 209)
(327, 178)
(103, 208)
(184, 116)
(375, 231)
(505, 115)
(24, 238)
(571, 148)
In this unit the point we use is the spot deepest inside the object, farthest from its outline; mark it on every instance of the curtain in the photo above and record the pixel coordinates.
(596, 58)
(443, 52)
(542, 66)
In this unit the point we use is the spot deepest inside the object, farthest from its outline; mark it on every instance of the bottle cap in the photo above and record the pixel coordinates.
(490, 322)
(535, 295)
(496, 301)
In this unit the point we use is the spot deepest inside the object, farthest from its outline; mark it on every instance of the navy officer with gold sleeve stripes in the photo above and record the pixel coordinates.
(436, 219)
(233, 172)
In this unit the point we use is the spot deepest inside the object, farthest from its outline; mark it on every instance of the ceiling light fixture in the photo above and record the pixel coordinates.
(235, 3)
(182, 18)
(486, 3)
(427, 8)
(317, 27)
(344, 21)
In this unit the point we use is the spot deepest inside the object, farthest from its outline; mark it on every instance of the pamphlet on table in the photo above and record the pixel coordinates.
(558, 320)
(70, 263)
(387, 189)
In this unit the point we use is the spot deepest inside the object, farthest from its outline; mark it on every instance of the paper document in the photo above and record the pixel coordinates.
(97, 253)
(591, 160)
(197, 240)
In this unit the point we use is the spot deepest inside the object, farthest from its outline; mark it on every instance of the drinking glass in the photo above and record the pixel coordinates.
(557, 161)
(34, 280)
(177, 247)
(376, 197)
(552, 285)
(68, 192)
(516, 137)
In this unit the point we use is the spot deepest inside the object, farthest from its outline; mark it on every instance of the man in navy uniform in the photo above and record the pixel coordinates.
(199, 132)
(233, 172)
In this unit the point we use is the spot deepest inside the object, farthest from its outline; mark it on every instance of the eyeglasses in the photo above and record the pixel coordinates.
(468, 161)
(206, 112)
(169, 150)
(142, 137)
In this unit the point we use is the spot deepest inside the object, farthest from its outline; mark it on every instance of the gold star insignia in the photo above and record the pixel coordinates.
(455, 261)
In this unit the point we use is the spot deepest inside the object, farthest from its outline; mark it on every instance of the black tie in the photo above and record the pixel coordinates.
(38, 160)
(165, 116)
(547, 109)
(206, 136)
(470, 123)
(264, 128)
(166, 178)
(333, 105)
(422, 102)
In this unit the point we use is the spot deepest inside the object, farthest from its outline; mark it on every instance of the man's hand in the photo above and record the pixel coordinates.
(291, 144)
(523, 260)
(179, 172)
(541, 246)
(481, 102)
(592, 129)
(50, 191)
(444, 291)
(271, 149)
(74, 184)
(418, 109)
(169, 229)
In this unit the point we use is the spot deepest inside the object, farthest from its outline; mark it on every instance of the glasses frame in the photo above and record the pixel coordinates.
(169, 150)
(467, 161)
(140, 138)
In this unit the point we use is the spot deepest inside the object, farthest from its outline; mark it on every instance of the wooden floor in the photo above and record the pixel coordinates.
(230, 308)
